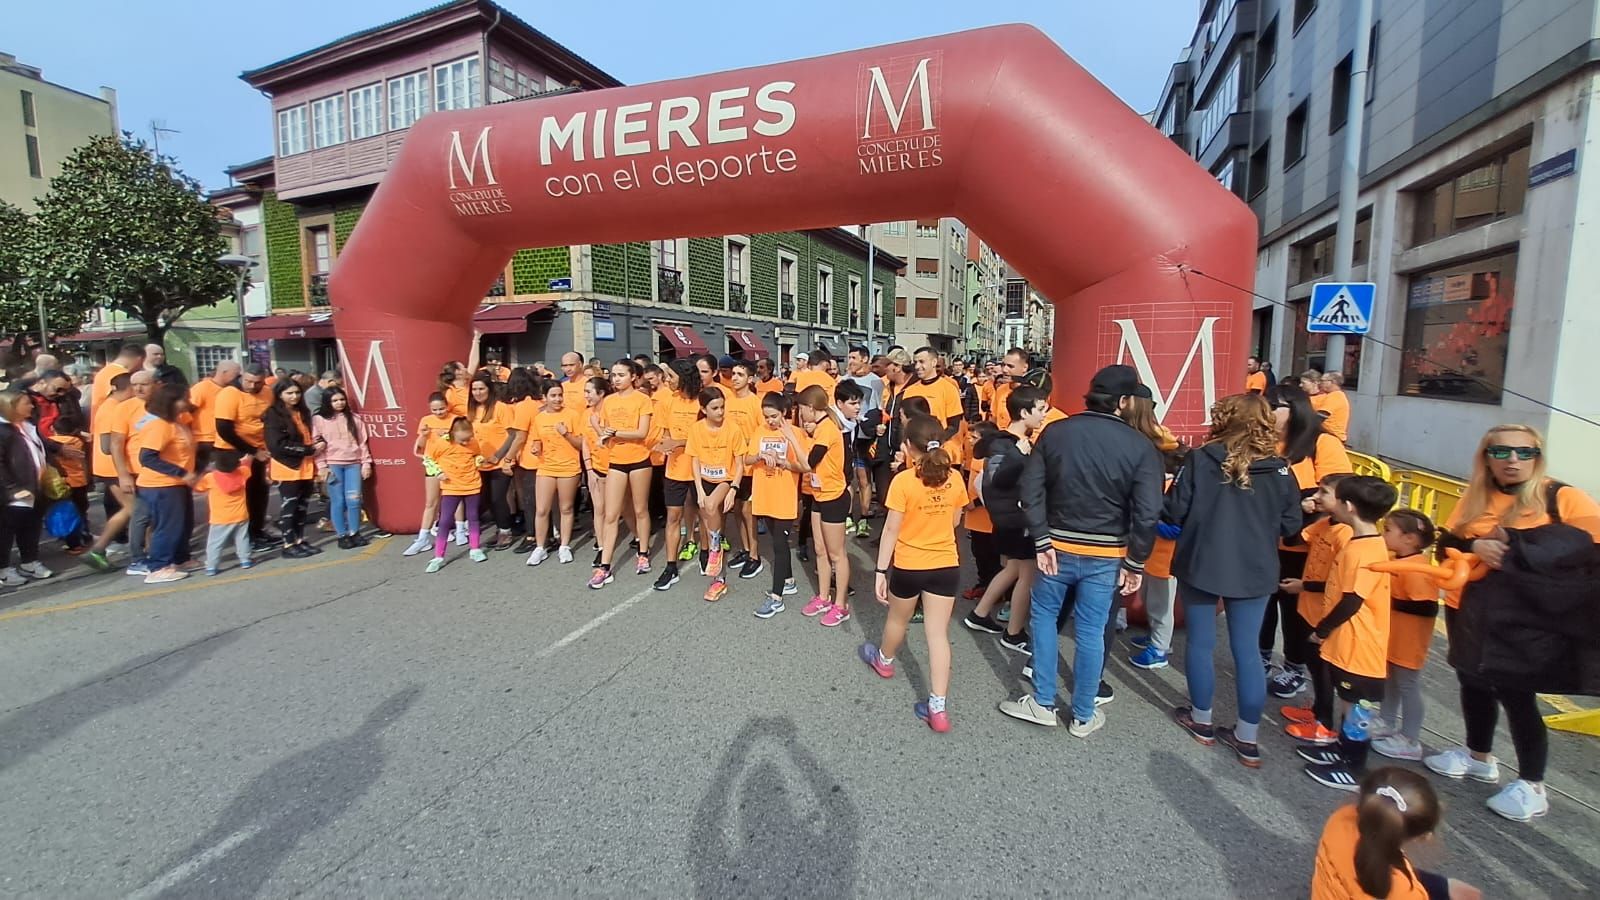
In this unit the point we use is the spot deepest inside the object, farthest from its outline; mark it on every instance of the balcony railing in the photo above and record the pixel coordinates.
(669, 285)
(498, 289)
(786, 308)
(317, 295)
(855, 318)
(738, 298)
(824, 314)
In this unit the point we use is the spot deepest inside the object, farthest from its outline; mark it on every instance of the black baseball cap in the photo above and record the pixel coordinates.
(1119, 381)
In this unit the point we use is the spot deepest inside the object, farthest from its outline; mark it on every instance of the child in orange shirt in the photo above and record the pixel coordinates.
(716, 466)
(460, 482)
(224, 487)
(1362, 851)
(1352, 633)
(1323, 539)
(69, 427)
(1414, 605)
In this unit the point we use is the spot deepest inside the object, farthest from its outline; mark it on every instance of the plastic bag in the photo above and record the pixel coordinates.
(55, 486)
(62, 519)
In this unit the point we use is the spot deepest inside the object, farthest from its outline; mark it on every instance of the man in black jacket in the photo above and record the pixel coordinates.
(1101, 485)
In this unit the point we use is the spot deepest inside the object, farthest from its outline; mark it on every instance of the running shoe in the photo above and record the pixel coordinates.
(1519, 802)
(938, 721)
(211, 573)
(642, 566)
(1322, 756)
(669, 577)
(917, 617)
(189, 565)
(974, 593)
(310, 549)
(714, 564)
(1338, 776)
(423, 542)
(1149, 658)
(1027, 709)
(1017, 643)
(689, 551)
(738, 559)
(1297, 714)
(1081, 729)
(1249, 754)
(1204, 733)
(985, 624)
(97, 561)
(864, 529)
(477, 555)
(1288, 683)
(461, 536)
(1398, 746)
(1139, 642)
(849, 525)
(752, 567)
(564, 554)
(818, 605)
(868, 653)
(1459, 763)
(1003, 614)
(1105, 694)
(770, 607)
(790, 588)
(600, 578)
(435, 565)
(835, 616)
(716, 591)
(140, 568)
(525, 545)
(538, 556)
(34, 570)
(1311, 732)
(165, 576)
(295, 551)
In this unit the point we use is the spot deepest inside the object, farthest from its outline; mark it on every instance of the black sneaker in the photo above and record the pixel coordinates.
(802, 554)
(752, 567)
(738, 560)
(1319, 755)
(524, 547)
(1105, 695)
(1249, 754)
(1184, 716)
(1019, 643)
(917, 617)
(669, 577)
(985, 624)
(344, 542)
(1338, 776)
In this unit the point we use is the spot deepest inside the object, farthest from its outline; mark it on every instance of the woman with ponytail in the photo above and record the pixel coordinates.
(830, 503)
(917, 560)
(1362, 851)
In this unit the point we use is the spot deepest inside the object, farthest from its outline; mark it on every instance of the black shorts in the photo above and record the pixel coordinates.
(1014, 543)
(1435, 885)
(676, 492)
(834, 511)
(906, 583)
(1355, 688)
(630, 467)
(710, 487)
(747, 488)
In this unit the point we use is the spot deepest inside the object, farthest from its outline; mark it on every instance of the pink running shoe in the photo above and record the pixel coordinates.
(714, 563)
(869, 654)
(818, 605)
(644, 565)
(938, 721)
(600, 578)
(835, 616)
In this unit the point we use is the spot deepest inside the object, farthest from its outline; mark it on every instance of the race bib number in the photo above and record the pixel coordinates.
(816, 481)
(714, 473)
(776, 446)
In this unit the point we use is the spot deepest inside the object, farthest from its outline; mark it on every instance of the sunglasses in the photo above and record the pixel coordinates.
(1501, 451)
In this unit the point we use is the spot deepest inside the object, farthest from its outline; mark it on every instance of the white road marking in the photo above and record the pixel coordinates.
(205, 858)
(595, 622)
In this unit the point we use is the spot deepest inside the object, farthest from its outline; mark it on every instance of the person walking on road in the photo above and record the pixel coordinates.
(239, 427)
(166, 477)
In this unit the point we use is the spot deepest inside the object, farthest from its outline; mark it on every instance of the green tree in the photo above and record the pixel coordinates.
(19, 307)
(124, 229)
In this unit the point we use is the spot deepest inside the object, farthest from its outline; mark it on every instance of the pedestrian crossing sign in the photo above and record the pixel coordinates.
(1341, 308)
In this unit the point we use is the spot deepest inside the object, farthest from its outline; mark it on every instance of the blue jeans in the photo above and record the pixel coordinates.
(1244, 615)
(344, 498)
(168, 531)
(1095, 581)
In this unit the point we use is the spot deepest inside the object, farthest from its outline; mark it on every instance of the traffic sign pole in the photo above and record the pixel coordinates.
(1344, 236)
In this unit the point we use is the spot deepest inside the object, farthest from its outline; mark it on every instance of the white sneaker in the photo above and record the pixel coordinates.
(422, 543)
(1457, 762)
(1084, 729)
(34, 570)
(461, 536)
(12, 578)
(564, 553)
(1382, 728)
(1396, 746)
(117, 549)
(538, 555)
(1520, 802)
(1027, 709)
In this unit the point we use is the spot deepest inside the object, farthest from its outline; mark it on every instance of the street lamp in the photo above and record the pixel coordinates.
(241, 266)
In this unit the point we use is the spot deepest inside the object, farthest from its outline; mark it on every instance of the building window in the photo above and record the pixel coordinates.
(292, 131)
(855, 302)
(1340, 111)
(457, 85)
(668, 251)
(1490, 191)
(1295, 135)
(1313, 259)
(321, 250)
(1260, 162)
(1458, 325)
(1016, 299)
(926, 266)
(877, 306)
(927, 307)
(208, 356)
(29, 114)
(327, 121)
(736, 252)
(899, 306)
(1302, 11)
(1224, 102)
(894, 229)
(408, 99)
(35, 168)
(927, 228)
(1372, 62)
(824, 296)
(786, 276)
(366, 112)
(1224, 175)
(1266, 49)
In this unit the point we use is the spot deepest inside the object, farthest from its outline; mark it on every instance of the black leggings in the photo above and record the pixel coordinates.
(496, 488)
(294, 497)
(20, 525)
(257, 493)
(1281, 606)
(985, 556)
(782, 563)
(1480, 710)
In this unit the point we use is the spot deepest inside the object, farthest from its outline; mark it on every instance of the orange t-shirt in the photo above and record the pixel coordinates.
(1577, 509)
(459, 464)
(307, 469)
(658, 428)
(1255, 381)
(572, 393)
(977, 517)
(558, 457)
(174, 443)
(1328, 458)
(71, 469)
(203, 397)
(944, 401)
(490, 429)
(928, 520)
(136, 418)
(770, 386)
(434, 426)
(110, 417)
(807, 377)
(522, 413)
(1415, 600)
(599, 456)
(1324, 539)
(1337, 407)
(827, 478)
(712, 451)
(744, 413)
(678, 416)
(997, 406)
(456, 398)
(625, 412)
(773, 491)
(223, 508)
(1334, 875)
(1361, 645)
(244, 411)
(102, 381)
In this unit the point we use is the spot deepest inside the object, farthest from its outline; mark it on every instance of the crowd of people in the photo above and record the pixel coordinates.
(1261, 524)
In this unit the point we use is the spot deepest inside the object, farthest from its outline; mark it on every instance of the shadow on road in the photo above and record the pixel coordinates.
(774, 822)
(31, 728)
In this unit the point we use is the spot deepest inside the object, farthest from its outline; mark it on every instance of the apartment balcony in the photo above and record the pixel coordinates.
(317, 290)
(855, 318)
(669, 285)
(1233, 134)
(738, 298)
(824, 314)
(786, 309)
(1215, 59)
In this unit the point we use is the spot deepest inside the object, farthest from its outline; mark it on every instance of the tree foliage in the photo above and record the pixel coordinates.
(124, 229)
(19, 308)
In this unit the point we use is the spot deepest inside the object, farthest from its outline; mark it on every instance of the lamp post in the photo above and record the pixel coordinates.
(241, 266)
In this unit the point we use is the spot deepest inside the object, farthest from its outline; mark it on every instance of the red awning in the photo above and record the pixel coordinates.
(750, 346)
(683, 340)
(291, 327)
(506, 318)
(91, 337)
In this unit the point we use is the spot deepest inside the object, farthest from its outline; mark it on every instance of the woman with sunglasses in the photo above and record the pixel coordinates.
(1508, 489)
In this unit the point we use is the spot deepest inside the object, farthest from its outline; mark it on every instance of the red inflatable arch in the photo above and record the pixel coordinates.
(997, 127)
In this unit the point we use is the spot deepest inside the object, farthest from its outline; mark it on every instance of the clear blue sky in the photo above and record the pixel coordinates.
(178, 61)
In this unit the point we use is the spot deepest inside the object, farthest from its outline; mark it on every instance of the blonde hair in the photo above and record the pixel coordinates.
(8, 404)
(1528, 497)
(1243, 424)
(1141, 415)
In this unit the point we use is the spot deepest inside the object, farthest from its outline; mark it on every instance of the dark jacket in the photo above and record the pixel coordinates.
(1229, 544)
(1002, 483)
(284, 440)
(1093, 482)
(18, 472)
(1534, 625)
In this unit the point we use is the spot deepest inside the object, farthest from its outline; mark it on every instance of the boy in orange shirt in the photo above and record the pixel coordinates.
(224, 487)
(69, 428)
(1353, 634)
(1415, 609)
(1323, 539)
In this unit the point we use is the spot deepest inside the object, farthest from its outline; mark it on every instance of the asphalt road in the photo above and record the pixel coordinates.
(349, 725)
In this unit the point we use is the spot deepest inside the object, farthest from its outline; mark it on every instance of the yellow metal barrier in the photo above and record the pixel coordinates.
(1435, 496)
(1371, 465)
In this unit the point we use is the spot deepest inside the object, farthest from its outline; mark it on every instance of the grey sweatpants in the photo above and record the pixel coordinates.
(217, 539)
(1402, 700)
(1158, 610)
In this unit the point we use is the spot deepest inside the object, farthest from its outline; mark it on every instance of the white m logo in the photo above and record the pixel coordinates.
(880, 91)
(1131, 345)
(359, 386)
(469, 167)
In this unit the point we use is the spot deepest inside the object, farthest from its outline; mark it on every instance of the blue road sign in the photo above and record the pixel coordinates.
(1341, 308)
